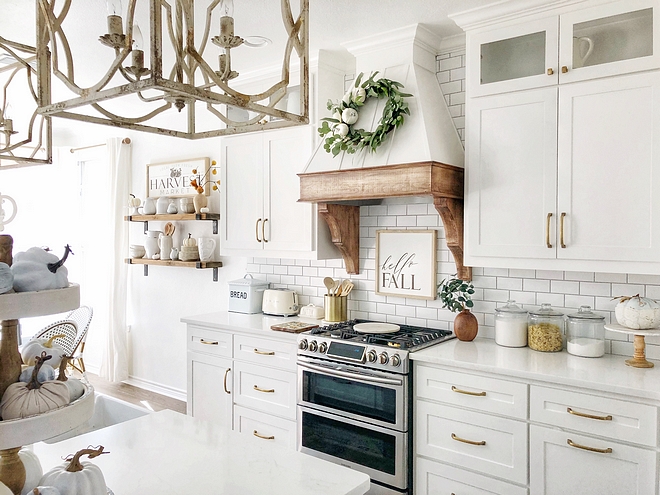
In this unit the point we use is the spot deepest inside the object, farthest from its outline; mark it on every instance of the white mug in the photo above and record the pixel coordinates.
(205, 246)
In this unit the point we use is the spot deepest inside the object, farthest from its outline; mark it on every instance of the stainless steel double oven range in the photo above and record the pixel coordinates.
(355, 399)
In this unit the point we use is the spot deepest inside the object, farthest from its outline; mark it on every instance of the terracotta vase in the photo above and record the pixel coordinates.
(466, 326)
(200, 201)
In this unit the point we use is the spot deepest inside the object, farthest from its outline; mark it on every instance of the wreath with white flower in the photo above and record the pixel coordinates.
(338, 130)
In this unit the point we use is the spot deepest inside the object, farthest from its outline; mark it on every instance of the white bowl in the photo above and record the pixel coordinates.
(136, 251)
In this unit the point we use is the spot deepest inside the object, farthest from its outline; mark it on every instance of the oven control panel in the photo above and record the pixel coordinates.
(365, 355)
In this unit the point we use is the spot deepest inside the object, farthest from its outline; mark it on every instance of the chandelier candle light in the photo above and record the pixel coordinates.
(183, 80)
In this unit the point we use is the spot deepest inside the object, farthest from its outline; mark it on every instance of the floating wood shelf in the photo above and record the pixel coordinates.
(213, 217)
(190, 264)
(333, 189)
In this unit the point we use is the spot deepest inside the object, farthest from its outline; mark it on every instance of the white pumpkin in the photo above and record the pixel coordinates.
(75, 386)
(6, 278)
(35, 347)
(4, 490)
(78, 478)
(637, 312)
(45, 374)
(33, 470)
(45, 490)
(21, 400)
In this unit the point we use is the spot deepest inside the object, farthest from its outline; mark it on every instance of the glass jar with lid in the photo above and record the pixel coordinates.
(585, 333)
(511, 325)
(545, 329)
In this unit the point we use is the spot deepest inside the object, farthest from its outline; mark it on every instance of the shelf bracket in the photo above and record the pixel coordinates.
(215, 273)
(146, 270)
(146, 226)
(344, 224)
(215, 231)
(451, 212)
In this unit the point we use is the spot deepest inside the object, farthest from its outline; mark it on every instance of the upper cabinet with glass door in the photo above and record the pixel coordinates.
(600, 41)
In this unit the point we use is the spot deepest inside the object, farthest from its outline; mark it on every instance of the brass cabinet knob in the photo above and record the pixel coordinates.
(564, 69)
(551, 71)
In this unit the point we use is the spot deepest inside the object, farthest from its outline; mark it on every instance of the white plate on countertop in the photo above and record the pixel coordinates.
(615, 327)
(375, 327)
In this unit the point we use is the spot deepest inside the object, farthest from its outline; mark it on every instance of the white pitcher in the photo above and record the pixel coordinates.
(3, 220)
(151, 244)
(205, 246)
(149, 207)
(165, 245)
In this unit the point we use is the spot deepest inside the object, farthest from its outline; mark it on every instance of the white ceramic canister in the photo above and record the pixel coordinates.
(165, 245)
(511, 325)
(149, 207)
(161, 205)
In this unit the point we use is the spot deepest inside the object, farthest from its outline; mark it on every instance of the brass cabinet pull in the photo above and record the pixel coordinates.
(208, 342)
(256, 434)
(256, 230)
(590, 416)
(564, 69)
(264, 353)
(224, 381)
(547, 230)
(590, 449)
(551, 71)
(466, 392)
(263, 230)
(265, 390)
(471, 442)
(561, 230)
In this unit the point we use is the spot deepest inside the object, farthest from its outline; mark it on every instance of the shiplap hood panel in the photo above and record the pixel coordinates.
(406, 55)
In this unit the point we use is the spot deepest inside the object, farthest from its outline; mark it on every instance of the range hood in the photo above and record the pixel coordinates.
(423, 157)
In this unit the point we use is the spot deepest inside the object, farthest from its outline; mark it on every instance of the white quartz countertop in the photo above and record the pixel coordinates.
(255, 324)
(607, 374)
(173, 454)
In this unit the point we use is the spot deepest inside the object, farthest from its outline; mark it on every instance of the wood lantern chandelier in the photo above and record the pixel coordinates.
(161, 91)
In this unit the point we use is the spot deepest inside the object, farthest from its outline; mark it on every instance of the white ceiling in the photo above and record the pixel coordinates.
(332, 22)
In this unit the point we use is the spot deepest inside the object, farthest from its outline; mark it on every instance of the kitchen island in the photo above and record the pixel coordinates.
(173, 454)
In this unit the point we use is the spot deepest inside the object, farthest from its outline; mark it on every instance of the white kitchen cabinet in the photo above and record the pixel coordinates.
(260, 212)
(574, 44)
(474, 422)
(435, 478)
(562, 176)
(244, 381)
(209, 381)
(571, 463)
(589, 194)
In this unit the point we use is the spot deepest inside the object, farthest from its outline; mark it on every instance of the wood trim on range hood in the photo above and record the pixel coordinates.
(333, 188)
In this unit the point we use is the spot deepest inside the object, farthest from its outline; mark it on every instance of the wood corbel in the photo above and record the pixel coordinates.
(451, 212)
(344, 224)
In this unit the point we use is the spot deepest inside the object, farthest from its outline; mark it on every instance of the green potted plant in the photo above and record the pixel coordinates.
(456, 296)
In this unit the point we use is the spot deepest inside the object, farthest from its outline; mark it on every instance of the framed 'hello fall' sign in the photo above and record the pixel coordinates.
(405, 263)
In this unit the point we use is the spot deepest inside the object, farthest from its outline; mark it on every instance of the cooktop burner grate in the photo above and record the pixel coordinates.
(407, 337)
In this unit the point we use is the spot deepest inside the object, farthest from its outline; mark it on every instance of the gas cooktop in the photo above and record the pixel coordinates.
(343, 343)
(408, 337)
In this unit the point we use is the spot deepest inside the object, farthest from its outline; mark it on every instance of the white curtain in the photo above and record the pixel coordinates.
(114, 365)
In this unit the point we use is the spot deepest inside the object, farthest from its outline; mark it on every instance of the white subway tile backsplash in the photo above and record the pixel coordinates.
(565, 287)
(496, 295)
(620, 278)
(627, 290)
(406, 221)
(595, 289)
(509, 283)
(550, 274)
(571, 301)
(579, 276)
(536, 285)
(643, 279)
(519, 273)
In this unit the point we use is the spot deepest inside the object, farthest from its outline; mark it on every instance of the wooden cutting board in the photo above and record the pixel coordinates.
(293, 327)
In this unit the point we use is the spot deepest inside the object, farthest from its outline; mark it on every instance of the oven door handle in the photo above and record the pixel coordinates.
(352, 376)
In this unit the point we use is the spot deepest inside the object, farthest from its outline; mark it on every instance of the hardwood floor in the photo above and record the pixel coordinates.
(136, 395)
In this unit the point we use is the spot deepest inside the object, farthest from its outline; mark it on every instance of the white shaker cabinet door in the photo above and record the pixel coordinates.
(511, 175)
(588, 466)
(609, 158)
(242, 191)
(289, 223)
(209, 380)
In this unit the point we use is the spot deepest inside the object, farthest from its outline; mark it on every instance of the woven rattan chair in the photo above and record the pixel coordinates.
(74, 329)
